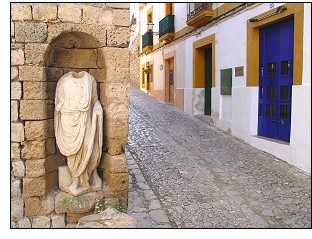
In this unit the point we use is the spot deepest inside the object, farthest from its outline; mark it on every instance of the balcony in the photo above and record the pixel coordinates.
(200, 16)
(147, 42)
(166, 28)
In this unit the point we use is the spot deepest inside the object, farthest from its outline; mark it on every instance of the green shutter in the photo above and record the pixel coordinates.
(226, 81)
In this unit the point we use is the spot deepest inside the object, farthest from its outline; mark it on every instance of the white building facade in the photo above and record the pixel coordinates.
(244, 67)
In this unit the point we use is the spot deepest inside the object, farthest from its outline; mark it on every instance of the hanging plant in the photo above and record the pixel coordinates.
(147, 70)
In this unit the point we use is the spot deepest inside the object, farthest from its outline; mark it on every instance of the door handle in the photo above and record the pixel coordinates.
(279, 121)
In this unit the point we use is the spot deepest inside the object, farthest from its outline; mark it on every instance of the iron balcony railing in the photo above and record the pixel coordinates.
(166, 25)
(147, 39)
(200, 9)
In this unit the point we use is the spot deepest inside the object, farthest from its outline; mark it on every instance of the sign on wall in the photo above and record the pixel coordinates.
(226, 81)
(239, 71)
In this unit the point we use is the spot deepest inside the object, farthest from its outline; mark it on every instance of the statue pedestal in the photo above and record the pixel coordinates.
(65, 183)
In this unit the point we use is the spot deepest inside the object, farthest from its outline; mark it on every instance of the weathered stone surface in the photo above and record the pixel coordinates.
(114, 57)
(35, 167)
(109, 193)
(34, 186)
(36, 109)
(115, 93)
(114, 146)
(39, 90)
(118, 5)
(17, 132)
(96, 33)
(16, 188)
(69, 12)
(74, 217)
(118, 37)
(17, 208)
(32, 73)
(39, 206)
(67, 203)
(118, 203)
(16, 46)
(58, 221)
(38, 149)
(17, 57)
(30, 31)
(16, 90)
(121, 18)
(98, 74)
(54, 74)
(96, 15)
(35, 53)
(71, 225)
(110, 218)
(39, 130)
(41, 222)
(159, 216)
(14, 110)
(20, 12)
(12, 29)
(108, 75)
(114, 164)
(44, 11)
(75, 58)
(116, 129)
(14, 73)
(116, 181)
(15, 151)
(24, 223)
(18, 168)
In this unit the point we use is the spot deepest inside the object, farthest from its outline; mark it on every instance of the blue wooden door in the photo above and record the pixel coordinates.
(276, 79)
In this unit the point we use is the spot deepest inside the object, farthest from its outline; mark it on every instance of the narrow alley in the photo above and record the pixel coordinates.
(185, 173)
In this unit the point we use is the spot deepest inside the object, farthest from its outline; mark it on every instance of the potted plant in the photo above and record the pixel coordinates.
(147, 70)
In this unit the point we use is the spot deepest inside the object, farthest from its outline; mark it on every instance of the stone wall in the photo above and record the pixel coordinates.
(47, 41)
(135, 63)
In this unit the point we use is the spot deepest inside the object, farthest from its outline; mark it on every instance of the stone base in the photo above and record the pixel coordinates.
(110, 218)
(65, 183)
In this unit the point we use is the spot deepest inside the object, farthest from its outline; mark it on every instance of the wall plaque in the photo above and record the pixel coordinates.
(239, 71)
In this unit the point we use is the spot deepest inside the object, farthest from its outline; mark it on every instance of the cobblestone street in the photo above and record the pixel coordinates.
(187, 174)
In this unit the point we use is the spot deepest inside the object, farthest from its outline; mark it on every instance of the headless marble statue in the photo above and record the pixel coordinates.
(78, 123)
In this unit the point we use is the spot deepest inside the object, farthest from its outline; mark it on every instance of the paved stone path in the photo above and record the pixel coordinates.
(187, 174)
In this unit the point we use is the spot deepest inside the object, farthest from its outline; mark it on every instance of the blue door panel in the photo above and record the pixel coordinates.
(275, 80)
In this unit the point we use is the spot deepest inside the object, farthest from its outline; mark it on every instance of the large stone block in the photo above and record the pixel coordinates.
(115, 129)
(39, 130)
(113, 92)
(17, 208)
(67, 203)
(44, 11)
(121, 18)
(38, 149)
(35, 168)
(32, 73)
(108, 193)
(36, 109)
(31, 31)
(12, 29)
(41, 222)
(39, 90)
(97, 15)
(113, 57)
(74, 217)
(16, 190)
(114, 146)
(24, 223)
(115, 163)
(35, 53)
(21, 12)
(119, 112)
(14, 110)
(15, 151)
(16, 90)
(58, 221)
(118, 37)
(18, 168)
(122, 5)
(34, 186)
(14, 73)
(17, 57)
(116, 181)
(96, 33)
(69, 12)
(39, 206)
(75, 58)
(110, 218)
(17, 132)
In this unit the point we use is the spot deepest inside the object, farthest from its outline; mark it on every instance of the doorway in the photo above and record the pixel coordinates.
(208, 80)
(276, 79)
(170, 80)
